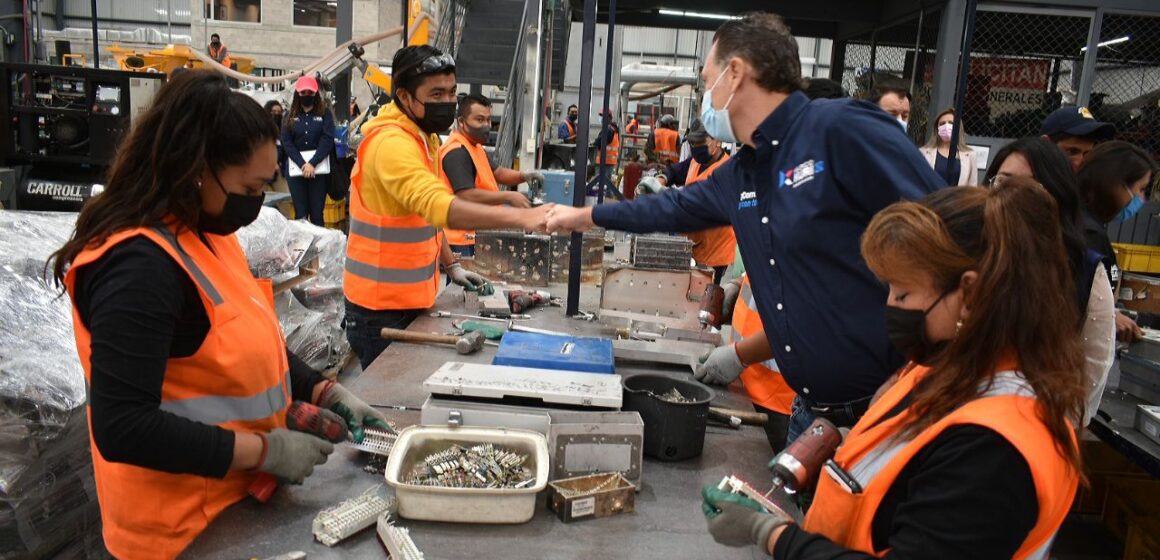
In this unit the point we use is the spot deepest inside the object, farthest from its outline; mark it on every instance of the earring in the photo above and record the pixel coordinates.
(958, 326)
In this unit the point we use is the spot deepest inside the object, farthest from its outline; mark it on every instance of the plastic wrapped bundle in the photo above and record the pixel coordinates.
(47, 502)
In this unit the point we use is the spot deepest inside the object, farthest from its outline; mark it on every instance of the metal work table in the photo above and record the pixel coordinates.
(667, 522)
(1118, 428)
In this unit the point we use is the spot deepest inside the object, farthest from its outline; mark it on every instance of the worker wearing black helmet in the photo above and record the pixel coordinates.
(398, 206)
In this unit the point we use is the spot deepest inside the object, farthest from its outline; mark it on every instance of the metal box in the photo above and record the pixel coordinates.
(1147, 422)
(441, 411)
(668, 297)
(589, 442)
(535, 259)
(558, 187)
(547, 351)
(537, 387)
(1140, 377)
(592, 496)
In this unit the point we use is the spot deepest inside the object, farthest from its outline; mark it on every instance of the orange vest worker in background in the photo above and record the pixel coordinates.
(762, 381)
(714, 247)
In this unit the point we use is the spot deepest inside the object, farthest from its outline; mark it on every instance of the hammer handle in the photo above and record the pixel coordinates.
(412, 336)
(747, 417)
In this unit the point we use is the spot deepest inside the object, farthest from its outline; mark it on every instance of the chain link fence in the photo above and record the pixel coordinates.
(1126, 85)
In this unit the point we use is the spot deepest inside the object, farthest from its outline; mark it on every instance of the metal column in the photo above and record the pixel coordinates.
(96, 43)
(961, 90)
(838, 60)
(340, 85)
(946, 59)
(1087, 76)
(606, 111)
(580, 156)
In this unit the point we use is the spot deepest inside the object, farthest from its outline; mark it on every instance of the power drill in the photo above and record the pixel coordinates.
(710, 313)
(798, 465)
(521, 301)
(307, 418)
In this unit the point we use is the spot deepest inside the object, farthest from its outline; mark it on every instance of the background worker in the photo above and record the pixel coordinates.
(471, 174)
(307, 140)
(633, 125)
(217, 51)
(567, 132)
(609, 140)
(971, 453)
(894, 99)
(664, 141)
(799, 195)
(713, 247)
(186, 368)
(1076, 132)
(398, 202)
(961, 170)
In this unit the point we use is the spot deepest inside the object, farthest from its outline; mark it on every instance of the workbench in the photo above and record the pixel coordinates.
(1115, 423)
(667, 523)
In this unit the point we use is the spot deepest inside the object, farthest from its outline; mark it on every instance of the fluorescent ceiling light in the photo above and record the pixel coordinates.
(1115, 41)
(702, 15)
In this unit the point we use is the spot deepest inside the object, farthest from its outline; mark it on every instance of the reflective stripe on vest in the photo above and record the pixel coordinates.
(392, 262)
(763, 382)
(1008, 407)
(714, 246)
(612, 151)
(484, 179)
(238, 379)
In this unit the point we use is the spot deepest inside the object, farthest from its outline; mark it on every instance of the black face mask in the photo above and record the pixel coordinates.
(907, 331)
(307, 101)
(572, 117)
(437, 116)
(277, 119)
(701, 154)
(479, 134)
(240, 211)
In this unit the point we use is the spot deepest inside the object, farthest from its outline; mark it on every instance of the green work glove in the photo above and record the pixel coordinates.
(735, 520)
(291, 455)
(468, 279)
(490, 331)
(357, 413)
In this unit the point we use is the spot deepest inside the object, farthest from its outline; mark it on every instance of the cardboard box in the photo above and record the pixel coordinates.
(1130, 502)
(1140, 293)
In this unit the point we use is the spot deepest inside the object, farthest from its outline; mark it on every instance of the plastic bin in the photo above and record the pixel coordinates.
(466, 505)
(1137, 258)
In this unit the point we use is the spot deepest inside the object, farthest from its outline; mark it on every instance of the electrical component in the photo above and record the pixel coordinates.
(668, 252)
(737, 486)
(334, 524)
(377, 441)
(480, 466)
(397, 540)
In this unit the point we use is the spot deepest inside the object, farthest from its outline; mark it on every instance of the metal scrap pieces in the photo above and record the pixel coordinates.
(674, 396)
(661, 251)
(334, 524)
(479, 466)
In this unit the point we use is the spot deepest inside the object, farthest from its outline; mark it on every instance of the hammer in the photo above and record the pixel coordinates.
(465, 344)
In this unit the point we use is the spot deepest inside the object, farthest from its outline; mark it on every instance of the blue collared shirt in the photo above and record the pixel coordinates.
(799, 203)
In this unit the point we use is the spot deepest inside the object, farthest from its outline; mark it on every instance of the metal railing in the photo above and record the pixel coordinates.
(509, 125)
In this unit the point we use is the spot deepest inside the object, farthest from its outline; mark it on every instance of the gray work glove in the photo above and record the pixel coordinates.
(735, 520)
(357, 413)
(468, 279)
(721, 366)
(534, 178)
(732, 291)
(291, 455)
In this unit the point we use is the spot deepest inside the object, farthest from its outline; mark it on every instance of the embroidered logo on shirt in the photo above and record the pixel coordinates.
(801, 174)
(748, 200)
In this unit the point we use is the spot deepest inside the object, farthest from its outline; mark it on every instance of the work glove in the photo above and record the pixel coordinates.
(468, 279)
(534, 178)
(732, 290)
(735, 520)
(357, 413)
(721, 366)
(291, 455)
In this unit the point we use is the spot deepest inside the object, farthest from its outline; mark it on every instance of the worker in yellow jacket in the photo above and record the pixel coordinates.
(398, 204)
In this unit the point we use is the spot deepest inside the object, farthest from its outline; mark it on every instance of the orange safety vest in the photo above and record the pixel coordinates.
(873, 457)
(484, 179)
(392, 262)
(237, 380)
(632, 127)
(714, 246)
(214, 53)
(666, 144)
(571, 129)
(763, 381)
(612, 151)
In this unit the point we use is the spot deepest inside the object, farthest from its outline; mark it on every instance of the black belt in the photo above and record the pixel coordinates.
(843, 415)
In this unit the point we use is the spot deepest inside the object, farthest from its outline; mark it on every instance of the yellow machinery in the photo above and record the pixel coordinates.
(168, 59)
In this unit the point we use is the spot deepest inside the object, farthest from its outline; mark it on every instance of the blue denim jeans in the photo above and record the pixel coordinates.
(309, 196)
(800, 418)
(363, 327)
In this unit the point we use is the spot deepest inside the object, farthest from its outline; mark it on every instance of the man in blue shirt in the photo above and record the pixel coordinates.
(799, 194)
(567, 132)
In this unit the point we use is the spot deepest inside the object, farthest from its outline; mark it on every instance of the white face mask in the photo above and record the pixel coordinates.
(716, 121)
(945, 130)
(902, 123)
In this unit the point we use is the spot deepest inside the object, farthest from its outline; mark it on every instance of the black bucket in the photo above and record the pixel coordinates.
(672, 431)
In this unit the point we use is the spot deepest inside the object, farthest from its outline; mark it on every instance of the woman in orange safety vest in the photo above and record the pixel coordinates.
(187, 369)
(970, 452)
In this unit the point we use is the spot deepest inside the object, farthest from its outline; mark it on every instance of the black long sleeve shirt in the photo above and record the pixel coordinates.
(142, 309)
(968, 494)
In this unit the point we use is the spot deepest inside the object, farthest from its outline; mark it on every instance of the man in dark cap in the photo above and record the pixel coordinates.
(1075, 131)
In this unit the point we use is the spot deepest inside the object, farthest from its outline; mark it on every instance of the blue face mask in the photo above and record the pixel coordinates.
(1131, 209)
(716, 121)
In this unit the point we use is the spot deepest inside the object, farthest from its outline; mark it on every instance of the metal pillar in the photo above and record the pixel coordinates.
(838, 60)
(343, 32)
(96, 44)
(606, 112)
(580, 156)
(873, 59)
(961, 90)
(946, 58)
(1087, 76)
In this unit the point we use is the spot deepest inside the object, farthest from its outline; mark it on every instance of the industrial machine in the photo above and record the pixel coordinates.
(65, 123)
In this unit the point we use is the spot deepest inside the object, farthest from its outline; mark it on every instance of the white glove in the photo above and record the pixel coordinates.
(534, 178)
(732, 290)
(466, 278)
(720, 367)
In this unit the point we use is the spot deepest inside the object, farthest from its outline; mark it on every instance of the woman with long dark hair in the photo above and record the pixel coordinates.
(308, 139)
(189, 377)
(1039, 159)
(971, 453)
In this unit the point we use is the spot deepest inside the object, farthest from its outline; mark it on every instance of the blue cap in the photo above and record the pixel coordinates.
(1076, 121)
